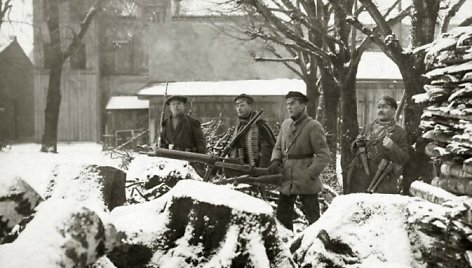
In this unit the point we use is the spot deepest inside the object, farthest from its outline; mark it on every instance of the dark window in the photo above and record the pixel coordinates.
(77, 58)
(48, 55)
(154, 14)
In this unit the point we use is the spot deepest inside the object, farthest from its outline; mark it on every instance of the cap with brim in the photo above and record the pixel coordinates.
(244, 96)
(296, 95)
(176, 97)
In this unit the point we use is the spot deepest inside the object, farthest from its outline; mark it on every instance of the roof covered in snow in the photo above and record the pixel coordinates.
(273, 87)
(126, 103)
(376, 65)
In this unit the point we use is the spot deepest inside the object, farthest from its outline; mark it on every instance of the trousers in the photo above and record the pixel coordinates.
(286, 211)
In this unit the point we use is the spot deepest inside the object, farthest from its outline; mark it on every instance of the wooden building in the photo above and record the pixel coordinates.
(16, 94)
(127, 116)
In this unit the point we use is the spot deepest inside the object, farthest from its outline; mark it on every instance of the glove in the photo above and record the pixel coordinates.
(275, 166)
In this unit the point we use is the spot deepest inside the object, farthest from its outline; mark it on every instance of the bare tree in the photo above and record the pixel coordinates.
(5, 8)
(58, 57)
(424, 18)
(319, 38)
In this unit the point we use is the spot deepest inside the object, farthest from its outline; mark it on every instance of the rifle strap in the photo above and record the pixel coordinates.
(296, 136)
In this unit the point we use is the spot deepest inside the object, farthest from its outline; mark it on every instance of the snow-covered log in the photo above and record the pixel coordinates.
(358, 230)
(451, 169)
(17, 201)
(454, 185)
(446, 229)
(62, 234)
(101, 188)
(202, 225)
(431, 193)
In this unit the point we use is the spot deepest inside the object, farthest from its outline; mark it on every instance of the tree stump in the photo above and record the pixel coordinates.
(17, 201)
(98, 187)
(62, 234)
(200, 224)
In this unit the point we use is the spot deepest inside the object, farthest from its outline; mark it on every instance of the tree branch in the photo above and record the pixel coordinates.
(84, 25)
(4, 9)
(450, 14)
(377, 17)
(466, 22)
(289, 33)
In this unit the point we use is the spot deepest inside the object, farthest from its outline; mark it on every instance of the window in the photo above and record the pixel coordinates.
(77, 58)
(47, 55)
(154, 14)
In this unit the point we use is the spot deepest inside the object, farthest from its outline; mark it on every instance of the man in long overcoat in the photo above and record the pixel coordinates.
(383, 139)
(255, 146)
(180, 131)
(300, 154)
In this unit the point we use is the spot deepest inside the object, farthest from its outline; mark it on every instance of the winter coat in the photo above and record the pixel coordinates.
(255, 146)
(358, 180)
(187, 136)
(309, 152)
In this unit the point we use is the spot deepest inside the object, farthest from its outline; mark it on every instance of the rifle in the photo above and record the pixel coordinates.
(274, 179)
(238, 135)
(159, 132)
(211, 160)
(383, 169)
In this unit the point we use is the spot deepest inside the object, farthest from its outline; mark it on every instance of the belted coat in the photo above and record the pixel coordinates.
(302, 146)
(187, 136)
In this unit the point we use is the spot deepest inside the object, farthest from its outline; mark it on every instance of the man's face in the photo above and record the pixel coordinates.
(177, 107)
(294, 107)
(243, 109)
(385, 112)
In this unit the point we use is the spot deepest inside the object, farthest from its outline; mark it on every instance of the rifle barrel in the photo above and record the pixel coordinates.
(181, 155)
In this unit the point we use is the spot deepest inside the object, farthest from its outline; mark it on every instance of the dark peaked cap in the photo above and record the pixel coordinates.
(296, 94)
(176, 97)
(244, 96)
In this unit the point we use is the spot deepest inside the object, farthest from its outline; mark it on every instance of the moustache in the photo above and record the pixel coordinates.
(381, 114)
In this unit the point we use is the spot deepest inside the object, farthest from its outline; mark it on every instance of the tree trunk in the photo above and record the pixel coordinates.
(53, 102)
(423, 26)
(330, 113)
(51, 113)
(313, 95)
(349, 124)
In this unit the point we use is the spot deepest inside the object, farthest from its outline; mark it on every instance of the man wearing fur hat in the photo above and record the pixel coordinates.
(255, 146)
(180, 131)
(300, 154)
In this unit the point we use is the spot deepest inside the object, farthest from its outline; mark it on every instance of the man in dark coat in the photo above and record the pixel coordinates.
(180, 131)
(300, 154)
(255, 146)
(383, 139)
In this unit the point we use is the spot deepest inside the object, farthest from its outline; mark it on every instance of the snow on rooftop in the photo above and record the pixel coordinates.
(376, 65)
(273, 87)
(126, 103)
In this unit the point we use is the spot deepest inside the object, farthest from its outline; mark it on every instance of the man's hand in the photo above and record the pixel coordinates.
(275, 166)
(361, 141)
(387, 143)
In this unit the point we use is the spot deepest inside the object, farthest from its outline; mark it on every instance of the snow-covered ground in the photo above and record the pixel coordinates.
(374, 227)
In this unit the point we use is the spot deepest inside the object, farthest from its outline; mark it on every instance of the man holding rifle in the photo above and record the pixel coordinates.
(255, 146)
(381, 151)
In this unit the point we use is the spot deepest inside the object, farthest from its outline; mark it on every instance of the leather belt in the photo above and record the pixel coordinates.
(299, 156)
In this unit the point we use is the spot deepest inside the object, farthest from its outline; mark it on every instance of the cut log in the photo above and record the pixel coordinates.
(451, 169)
(17, 201)
(100, 188)
(431, 193)
(62, 234)
(454, 185)
(468, 165)
(200, 224)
